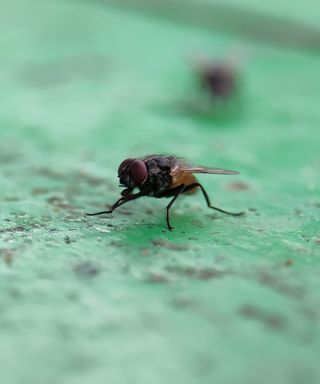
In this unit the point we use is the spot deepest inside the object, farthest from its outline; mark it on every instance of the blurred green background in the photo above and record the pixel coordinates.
(115, 299)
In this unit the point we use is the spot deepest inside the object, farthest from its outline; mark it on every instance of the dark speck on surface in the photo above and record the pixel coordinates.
(7, 255)
(305, 238)
(238, 186)
(58, 203)
(254, 210)
(270, 320)
(144, 251)
(39, 191)
(289, 263)
(279, 285)
(54, 200)
(11, 198)
(15, 293)
(18, 228)
(156, 278)
(197, 273)
(117, 244)
(197, 223)
(169, 245)
(86, 269)
(212, 216)
(298, 212)
(124, 212)
(182, 302)
(49, 173)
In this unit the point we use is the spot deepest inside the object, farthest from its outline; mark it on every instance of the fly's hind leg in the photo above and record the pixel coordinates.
(205, 195)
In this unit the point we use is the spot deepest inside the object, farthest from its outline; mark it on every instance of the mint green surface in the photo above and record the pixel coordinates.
(119, 299)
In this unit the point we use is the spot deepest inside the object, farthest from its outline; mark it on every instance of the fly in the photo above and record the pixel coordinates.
(162, 176)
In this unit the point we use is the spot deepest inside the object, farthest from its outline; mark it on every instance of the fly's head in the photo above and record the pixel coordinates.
(132, 173)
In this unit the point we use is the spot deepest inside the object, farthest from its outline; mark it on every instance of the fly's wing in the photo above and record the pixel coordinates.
(180, 166)
(213, 171)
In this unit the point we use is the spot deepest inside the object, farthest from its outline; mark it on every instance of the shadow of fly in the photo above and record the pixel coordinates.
(162, 176)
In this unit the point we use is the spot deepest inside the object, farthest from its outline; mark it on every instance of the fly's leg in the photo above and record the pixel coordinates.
(118, 203)
(205, 195)
(179, 190)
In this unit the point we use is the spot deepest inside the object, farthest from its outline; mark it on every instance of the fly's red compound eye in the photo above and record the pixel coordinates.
(138, 172)
(123, 165)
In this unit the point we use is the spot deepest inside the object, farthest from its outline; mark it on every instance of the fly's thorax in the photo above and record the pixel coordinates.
(159, 178)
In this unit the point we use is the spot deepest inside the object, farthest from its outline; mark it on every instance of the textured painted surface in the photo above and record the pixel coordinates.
(120, 298)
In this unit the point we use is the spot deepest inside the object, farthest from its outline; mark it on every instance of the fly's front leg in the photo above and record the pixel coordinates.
(118, 203)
